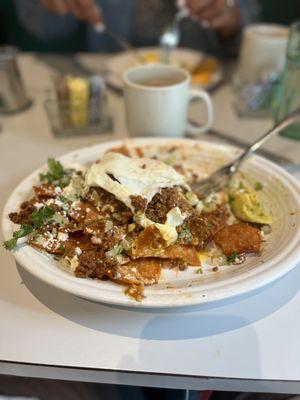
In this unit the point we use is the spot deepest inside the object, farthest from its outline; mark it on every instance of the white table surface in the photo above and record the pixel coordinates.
(249, 343)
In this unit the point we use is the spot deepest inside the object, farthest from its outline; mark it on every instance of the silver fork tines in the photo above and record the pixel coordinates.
(170, 38)
(219, 179)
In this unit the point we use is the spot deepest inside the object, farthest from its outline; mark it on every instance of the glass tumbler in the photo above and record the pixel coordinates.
(287, 93)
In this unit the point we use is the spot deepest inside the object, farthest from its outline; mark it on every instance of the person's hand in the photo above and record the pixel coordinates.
(85, 10)
(221, 15)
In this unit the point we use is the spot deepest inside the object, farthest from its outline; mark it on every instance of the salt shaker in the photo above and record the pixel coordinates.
(13, 96)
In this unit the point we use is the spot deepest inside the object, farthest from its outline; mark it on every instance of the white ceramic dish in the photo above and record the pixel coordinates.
(120, 63)
(280, 254)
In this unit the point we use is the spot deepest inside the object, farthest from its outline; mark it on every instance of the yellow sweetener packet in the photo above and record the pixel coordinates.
(78, 97)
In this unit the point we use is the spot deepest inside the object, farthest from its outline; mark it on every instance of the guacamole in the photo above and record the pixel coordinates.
(245, 205)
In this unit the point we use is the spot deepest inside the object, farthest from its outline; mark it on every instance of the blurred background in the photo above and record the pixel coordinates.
(27, 25)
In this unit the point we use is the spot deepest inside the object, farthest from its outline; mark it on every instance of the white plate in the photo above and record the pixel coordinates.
(280, 254)
(120, 63)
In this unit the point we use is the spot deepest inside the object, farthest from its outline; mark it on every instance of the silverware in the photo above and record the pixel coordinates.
(122, 42)
(13, 96)
(170, 38)
(221, 177)
(278, 159)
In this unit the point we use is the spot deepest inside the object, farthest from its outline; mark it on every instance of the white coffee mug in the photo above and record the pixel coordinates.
(156, 101)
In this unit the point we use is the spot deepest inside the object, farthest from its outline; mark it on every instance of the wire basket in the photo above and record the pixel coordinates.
(69, 118)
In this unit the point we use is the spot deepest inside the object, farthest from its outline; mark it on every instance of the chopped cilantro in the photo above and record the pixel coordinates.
(63, 199)
(241, 185)
(232, 257)
(230, 199)
(56, 174)
(258, 186)
(185, 235)
(62, 247)
(115, 251)
(39, 218)
(199, 271)
(23, 231)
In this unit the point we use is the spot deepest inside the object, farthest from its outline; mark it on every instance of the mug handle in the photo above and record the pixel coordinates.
(201, 95)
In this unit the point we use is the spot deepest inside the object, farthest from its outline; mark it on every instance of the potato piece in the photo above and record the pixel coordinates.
(239, 238)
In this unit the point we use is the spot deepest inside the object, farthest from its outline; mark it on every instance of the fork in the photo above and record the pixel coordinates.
(220, 178)
(123, 43)
(170, 38)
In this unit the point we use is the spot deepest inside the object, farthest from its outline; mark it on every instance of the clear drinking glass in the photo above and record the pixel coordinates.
(261, 60)
(287, 93)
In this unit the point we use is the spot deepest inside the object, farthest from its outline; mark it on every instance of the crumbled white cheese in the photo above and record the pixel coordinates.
(57, 190)
(78, 251)
(199, 206)
(59, 203)
(38, 206)
(96, 239)
(108, 226)
(62, 236)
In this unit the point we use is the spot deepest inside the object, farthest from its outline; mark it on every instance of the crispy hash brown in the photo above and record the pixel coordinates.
(125, 219)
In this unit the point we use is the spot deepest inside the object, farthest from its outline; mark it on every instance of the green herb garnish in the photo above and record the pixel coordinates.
(62, 247)
(230, 199)
(199, 271)
(185, 235)
(56, 174)
(39, 218)
(115, 251)
(258, 186)
(23, 231)
(63, 199)
(231, 259)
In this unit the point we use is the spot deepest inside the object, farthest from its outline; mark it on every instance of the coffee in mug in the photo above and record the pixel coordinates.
(156, 101)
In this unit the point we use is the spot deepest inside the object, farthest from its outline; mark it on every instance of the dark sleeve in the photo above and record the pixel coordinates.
(42, 23)
(250, 11)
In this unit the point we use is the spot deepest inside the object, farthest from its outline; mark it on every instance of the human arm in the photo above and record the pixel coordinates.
(83, 10)
(41, 23)
(199, 34)
(226, 17)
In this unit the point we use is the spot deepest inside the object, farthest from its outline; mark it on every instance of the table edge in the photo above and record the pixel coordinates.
(142, 378)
